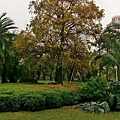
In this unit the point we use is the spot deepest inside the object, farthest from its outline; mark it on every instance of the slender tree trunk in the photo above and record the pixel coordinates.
(59, 77)
(79, 75)
(4, 80)
(107, 73)
(118, 73)
(51, 74)
(71, 74)
(44, 75)
(107, 68)
(38, 75)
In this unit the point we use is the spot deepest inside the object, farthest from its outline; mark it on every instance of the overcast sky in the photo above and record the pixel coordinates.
(18, 11)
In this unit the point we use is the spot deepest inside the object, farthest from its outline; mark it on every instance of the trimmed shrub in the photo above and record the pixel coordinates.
(32, 102)
(9, 103)
(52, 99)
(38, 100)
(70, 97)
(76, 95)
(4, 102)
(67, 98)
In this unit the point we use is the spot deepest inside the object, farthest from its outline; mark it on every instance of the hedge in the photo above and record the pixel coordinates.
(54, 98)
(38, 100)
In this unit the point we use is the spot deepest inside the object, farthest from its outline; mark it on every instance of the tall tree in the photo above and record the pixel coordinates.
(6, 38)
(56, 22)
(109, 48)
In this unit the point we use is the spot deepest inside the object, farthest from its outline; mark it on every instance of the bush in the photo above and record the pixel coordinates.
(52, 99)
(3, 103)
(70, 97)
(67, 98)
(38, 100)
(76, 96)
(32, 102)
(9, 103)
(95, 90)
(114, 87)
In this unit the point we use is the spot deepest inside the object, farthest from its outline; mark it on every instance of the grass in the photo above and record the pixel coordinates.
(23, 87)
(64, 113)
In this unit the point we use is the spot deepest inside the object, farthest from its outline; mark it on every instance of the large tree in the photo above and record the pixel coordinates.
(6, 38)
(59, 23)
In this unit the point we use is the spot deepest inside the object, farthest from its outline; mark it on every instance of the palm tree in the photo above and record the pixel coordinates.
(109, 49)
(6, 37)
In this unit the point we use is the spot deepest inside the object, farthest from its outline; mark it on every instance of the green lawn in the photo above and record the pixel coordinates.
(64, 113)
(23, 87)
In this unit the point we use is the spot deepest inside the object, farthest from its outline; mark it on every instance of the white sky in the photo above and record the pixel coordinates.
(111, 7)
(18, 11)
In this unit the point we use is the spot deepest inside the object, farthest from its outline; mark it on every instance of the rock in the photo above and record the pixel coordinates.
(94, 107)
(105, 106)
(101, 111)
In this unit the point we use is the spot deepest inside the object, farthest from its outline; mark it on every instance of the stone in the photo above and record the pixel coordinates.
(101, 111)
(105, 106)
(94, 107)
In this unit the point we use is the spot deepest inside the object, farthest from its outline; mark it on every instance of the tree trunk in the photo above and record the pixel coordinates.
(38, 75)
(50, 76)
(107, 73)
(71, 74)
(12, 79)
(4, 80)
(118, 73)
(58, 75)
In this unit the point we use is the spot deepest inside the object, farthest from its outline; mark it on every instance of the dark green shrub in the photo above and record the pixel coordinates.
(69, 97)
(76, 95)
(114, 87)
(14, 103)
(38, 100)
(3, 102)
(52, 99)
(9, 103)
(32, 102)
(95, 90)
